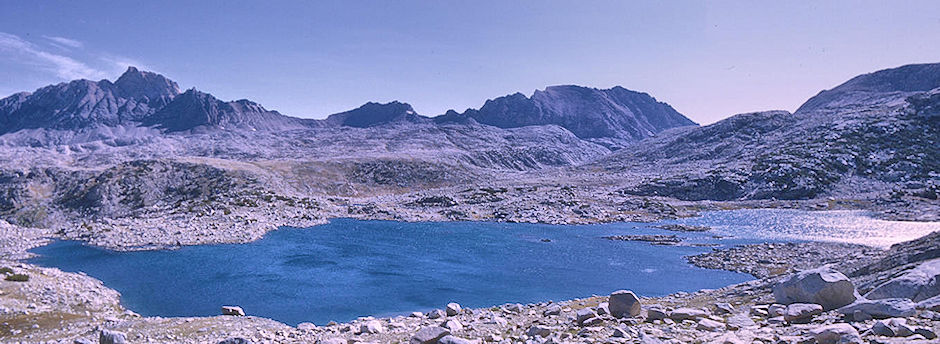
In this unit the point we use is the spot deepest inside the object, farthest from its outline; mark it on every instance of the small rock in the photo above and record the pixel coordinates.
(584, 314)
(592, 321)
(727, 338)
(801, 313)
(740, 321)
(620, 332)
(436, 314)
(429, 335)
(776, 310)
(233, 310)
(111, 337)
(514, 308)
(452, 309)
(372, 326)
(448, 339)
(836, 334)
(926, 332)
(602, 308)
(684, 313)
(623, 303)
(416, 315)
(552, 309)
(453, 325)
(539, 330)
(236, 340)
(723, 308)
(656, 313)
(306, 326)
(709, 325)
(333, 340)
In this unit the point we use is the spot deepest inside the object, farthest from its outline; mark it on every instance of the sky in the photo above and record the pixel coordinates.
(709, 60)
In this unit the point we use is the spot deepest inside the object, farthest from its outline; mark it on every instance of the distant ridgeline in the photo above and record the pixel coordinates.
(612, 117)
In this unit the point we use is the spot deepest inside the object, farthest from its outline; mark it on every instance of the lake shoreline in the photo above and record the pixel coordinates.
(100, 306)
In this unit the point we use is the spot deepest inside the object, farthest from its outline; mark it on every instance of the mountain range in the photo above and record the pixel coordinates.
(139, 152)
(615, 116)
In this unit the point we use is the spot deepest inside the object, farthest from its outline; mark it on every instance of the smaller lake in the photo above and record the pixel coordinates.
(351, 268)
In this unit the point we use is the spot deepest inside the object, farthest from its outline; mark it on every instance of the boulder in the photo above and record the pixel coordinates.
(894, 327)
(333, 340)
(931, 304)
(623, 303)
(823, 286)
(918, 284)
(371, 326)
(306, 326)
(680, 314)
(926, 332)
(776, 310)
(453, 325)
(881, 309)
(429, 335)
(236, 340)
(111, 337)
(656, 313)
(448, 339)
(233, 310)
(602, 308)
(584, 314)
(436, 314)
(798, 313)
(552, 309)
(539, 330)
(728, 338)
(620, 332)
(723, 308)
(740, 321)
(452, 309)
(709, 325)
(837, 333)
(514, 307)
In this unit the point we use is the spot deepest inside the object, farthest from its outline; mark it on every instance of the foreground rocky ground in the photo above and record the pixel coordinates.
(58, 307)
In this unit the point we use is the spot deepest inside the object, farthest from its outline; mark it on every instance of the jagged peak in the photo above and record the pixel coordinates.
(136, 83)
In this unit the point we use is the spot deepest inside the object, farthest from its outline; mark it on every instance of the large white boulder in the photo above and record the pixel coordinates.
(823, 286)
(918, 284)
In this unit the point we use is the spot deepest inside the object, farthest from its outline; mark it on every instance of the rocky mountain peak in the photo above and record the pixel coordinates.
(608, 115)
(142, 84)
(373, 114)
(867, 88)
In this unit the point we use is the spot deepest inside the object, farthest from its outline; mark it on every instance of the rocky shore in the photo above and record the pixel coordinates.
(59, 307)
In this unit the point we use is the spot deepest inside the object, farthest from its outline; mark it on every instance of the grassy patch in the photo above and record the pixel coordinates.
(5, 270)
(17, 278)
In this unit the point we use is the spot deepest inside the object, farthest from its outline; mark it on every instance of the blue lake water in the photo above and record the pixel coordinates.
(350, 268)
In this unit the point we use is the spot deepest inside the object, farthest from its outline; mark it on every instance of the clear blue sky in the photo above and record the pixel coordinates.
(313, 58)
